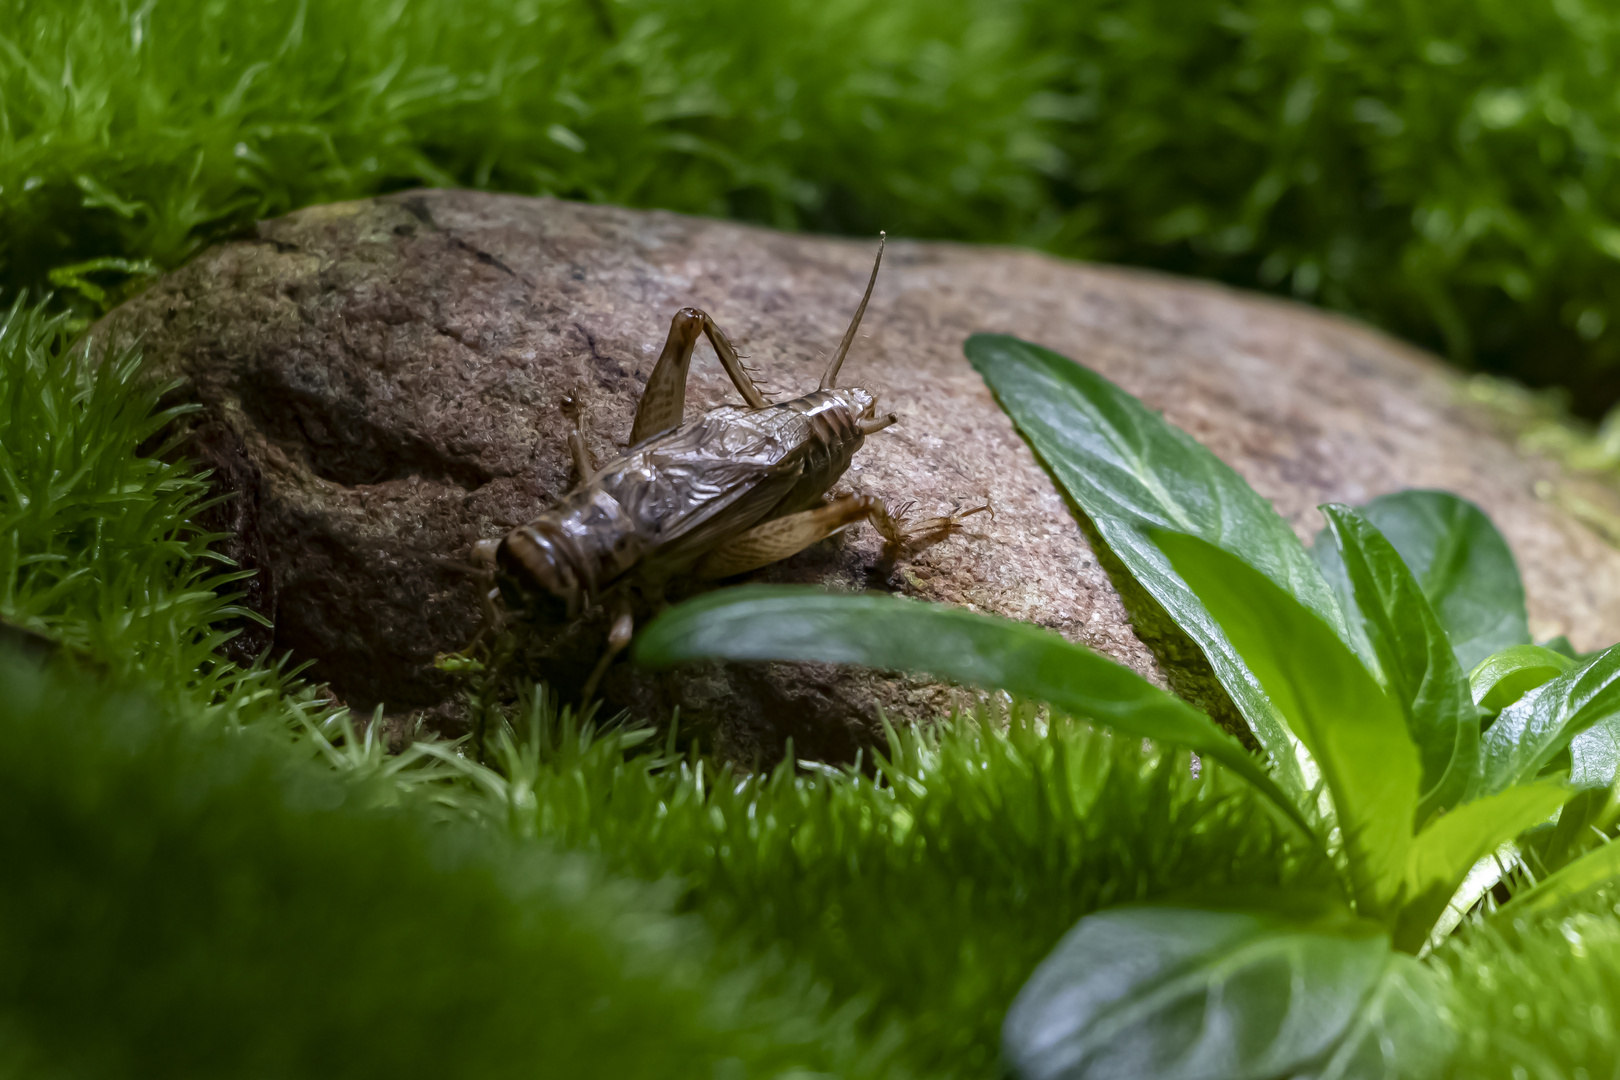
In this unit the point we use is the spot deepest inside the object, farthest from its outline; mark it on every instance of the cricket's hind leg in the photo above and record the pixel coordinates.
(663, 402)
(786, 536)
(776, 540)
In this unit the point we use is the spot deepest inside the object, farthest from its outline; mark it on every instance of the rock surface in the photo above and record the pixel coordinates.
(383, 385)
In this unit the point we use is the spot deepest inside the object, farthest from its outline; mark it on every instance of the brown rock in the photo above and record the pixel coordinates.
(383, 381)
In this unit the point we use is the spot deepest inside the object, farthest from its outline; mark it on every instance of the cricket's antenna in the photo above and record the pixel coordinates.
(830, 379)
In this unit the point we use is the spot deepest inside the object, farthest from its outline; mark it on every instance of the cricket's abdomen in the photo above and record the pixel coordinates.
(677, 495)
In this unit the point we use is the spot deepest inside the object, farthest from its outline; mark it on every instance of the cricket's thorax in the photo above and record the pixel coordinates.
(678, 494)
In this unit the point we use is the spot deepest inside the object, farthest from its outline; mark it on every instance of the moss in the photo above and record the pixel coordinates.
(1539, 998)
(927, 887)
(198, 902)
(1445, 170)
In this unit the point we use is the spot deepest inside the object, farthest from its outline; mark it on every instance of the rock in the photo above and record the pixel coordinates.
(382, 384)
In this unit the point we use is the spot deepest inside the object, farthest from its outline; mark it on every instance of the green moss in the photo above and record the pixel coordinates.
(1446, 170)
(1540, 998)
(142, 131)
(929, 891)
(184, 902)
(97, 546)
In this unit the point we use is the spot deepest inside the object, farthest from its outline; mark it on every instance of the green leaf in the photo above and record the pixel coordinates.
(1584, 821)
(1597, 867)
(1506, 676)
(1443, 853)
(1131, 471)
(1594, 755)
(764, 622)
(1464, 566)
(1533, 730)
(1187, 994)
(1401, 1030)
(1416, 658)
(1353, 729)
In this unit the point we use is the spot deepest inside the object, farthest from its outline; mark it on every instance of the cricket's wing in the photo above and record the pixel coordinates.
(741, 509)
(704, 481)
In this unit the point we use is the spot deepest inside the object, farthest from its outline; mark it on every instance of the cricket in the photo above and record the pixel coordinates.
(735, 489)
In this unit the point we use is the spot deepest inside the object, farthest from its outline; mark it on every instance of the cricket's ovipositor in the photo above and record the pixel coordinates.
(734, 489)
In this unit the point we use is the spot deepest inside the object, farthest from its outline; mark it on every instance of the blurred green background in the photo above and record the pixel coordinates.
(1446, 170)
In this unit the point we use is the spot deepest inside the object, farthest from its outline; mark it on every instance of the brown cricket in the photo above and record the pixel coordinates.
(735, 489)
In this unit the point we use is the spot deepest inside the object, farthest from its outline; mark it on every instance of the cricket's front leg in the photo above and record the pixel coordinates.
(619, 635)
(578, 449)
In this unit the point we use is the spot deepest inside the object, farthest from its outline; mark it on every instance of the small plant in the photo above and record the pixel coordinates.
(1348, 665)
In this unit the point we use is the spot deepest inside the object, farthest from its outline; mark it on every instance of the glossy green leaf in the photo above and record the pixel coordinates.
(1584, 820)
(1533, 730)
(1354, 730)
(763, 622)
(1131, 471)
(1464, 566)
(1597, 867)
(1190, 994)
(1443, 853)
(1401, 1030)
(1416, 659)
(1506, 676)
(1594, 755)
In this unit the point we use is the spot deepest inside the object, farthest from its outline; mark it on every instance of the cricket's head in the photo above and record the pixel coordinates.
(533, 579)
(862, 406)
